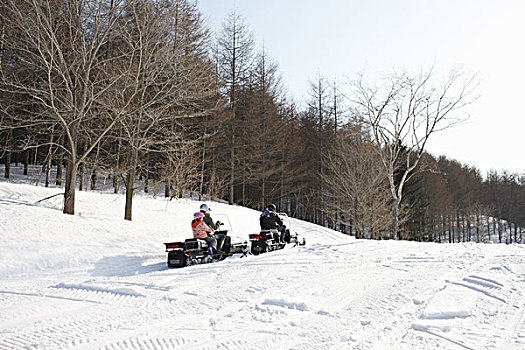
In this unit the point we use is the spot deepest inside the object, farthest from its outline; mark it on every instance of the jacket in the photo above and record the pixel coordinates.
(276, 218)
(268, 222)
(209, 221)
(200, 229)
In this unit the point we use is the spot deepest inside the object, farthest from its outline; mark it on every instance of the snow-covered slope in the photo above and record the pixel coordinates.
(95, 281)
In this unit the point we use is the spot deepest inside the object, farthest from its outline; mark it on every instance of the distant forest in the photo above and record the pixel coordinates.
(141, 92)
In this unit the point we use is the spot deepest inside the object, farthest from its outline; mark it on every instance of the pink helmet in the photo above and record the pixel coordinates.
(198, 215)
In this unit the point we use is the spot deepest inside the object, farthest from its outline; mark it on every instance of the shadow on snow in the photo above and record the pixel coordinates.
(125, 265)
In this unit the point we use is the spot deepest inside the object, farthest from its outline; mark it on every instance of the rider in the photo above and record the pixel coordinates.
(202, 231)
(220, 237)
(268, 223)
(278, 222)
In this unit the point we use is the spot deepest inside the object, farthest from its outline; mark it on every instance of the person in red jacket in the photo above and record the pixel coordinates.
(202, 231)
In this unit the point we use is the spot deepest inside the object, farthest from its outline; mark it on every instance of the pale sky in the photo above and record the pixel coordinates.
(340, 38)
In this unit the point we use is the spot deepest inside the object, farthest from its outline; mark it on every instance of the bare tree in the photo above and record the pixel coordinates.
(319, 108)
(261, 156)
(166, 80)
(356, 185)
(403, 114)
(235, 59)
(59, 45)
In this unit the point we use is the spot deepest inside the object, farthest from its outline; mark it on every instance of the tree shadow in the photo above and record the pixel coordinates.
(125, 265)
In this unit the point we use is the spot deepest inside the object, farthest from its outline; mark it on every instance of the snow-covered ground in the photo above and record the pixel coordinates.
(95, 281)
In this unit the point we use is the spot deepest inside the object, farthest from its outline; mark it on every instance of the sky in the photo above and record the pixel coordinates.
(338, 39)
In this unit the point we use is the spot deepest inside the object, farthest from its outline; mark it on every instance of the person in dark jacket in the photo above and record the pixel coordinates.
(220, 237)
(267, 221)
(281, 228)
(270, 222)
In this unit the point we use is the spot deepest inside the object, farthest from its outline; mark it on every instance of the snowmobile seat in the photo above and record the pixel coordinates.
(268, 234)
(268, 231)
(195, 244)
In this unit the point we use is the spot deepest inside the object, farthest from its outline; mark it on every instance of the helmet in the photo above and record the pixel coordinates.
(266, 212)
(204, 207)
(272, 207)
(198, 215)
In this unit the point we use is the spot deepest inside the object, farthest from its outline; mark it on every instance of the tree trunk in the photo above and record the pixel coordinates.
(7, 170)
(167, 189)
(395, 219)
(93, 185)
(494, 227)
(488, 228)
(26, 161)
(203, 161)
(439, 228)
(263, 194)
(243, 186)
(71, 172)
(232, 171)
(232, 175)
(116, 182)
(35, 159)
(49, 157)
(499, 231)
(48, 171)
(81, 174)
(450, 231)
(458, 226)
(281, 193)
(466, 229)
(477, 228)
(129, 193)
(60, 162)
(69, 191)
(354, 219)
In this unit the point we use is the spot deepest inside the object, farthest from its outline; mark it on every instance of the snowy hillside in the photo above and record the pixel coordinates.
(95, 281)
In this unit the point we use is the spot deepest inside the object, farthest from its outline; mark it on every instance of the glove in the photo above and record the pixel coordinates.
(218, 223)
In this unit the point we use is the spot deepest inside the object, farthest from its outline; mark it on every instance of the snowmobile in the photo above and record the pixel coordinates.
(268, 240)
(195, 251)
(264, 241)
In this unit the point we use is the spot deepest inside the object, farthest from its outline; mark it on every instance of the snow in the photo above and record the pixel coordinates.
(96, 281)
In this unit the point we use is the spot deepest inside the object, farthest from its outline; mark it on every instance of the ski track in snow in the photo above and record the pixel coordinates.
(101, 291)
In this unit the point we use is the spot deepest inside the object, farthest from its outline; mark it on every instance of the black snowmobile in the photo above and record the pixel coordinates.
(194, 251)
(268, 240)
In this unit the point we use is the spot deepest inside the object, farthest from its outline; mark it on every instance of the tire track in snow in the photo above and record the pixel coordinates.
(272, 325)
(371, 299)
(247, 277)
(341, 294)
(515, 337)
(438, 282)
(109, 311)
(472, 281)
(187, 300)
